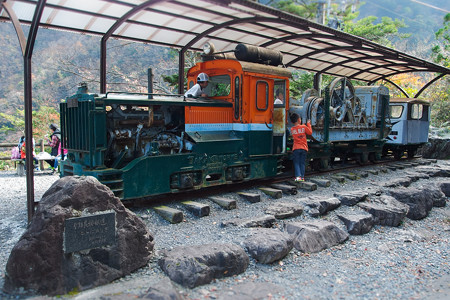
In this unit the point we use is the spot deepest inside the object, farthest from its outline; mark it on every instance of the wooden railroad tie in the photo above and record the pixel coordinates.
(348, 175)
(338, 178)
(224, 202)
(196, 208)
(170, 214)
(304, 185)
(285, 188)
(384, 170)
(321, 182)
(274, 193)
(251, 197)
(399, 166)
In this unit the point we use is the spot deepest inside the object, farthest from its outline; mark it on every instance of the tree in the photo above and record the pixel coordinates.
(410, 83)
(382, 33)
(302, 8)
(440, 96)
(442, 49)
(14, 124)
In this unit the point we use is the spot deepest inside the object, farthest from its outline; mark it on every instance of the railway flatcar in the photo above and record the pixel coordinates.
(410, 119)
(143, 145)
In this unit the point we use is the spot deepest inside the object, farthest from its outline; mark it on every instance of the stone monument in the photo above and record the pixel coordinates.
(81, 236)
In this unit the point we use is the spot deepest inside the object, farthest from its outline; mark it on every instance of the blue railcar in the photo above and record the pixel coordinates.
(410, 119)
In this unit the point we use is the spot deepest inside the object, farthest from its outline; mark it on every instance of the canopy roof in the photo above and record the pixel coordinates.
(190, 24)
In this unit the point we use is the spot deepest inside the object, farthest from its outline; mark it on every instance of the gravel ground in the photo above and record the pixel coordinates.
(406, 262)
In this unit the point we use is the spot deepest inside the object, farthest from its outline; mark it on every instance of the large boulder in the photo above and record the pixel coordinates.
(268, 245)
(445, 188)
(319, 204)
(420, 201)
(39, 262)
(266, 221)
(357, 223)
(162, 290)
(386, 210)
(351, 198)
(192, 266)
(316, 235)
(284, 210)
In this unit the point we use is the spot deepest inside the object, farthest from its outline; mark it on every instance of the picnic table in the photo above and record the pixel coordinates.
(19, 163)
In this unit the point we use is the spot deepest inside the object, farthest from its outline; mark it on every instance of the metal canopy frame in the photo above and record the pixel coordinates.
(188, 24)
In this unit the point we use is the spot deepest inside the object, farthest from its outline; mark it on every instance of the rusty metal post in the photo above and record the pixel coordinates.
(28, 105)
(181, 62)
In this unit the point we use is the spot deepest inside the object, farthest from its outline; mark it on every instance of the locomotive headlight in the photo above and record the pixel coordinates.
(208, 48)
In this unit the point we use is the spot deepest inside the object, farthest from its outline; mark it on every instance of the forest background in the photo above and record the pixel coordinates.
(62, 60)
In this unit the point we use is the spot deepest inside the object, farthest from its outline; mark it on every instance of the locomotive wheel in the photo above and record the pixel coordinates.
(411, 153)
(363, 158)
(372, 157)
(398, 154)
(315, 164)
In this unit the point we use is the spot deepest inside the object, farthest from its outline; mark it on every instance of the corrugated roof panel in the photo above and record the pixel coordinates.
(262, 30)
(248, 8)
(341, 70)
(383, 71)
(85, 5)
(334, 42)
(24, 11)
(74, 20)
(348, 53)
(367, 76)
(116, 10)
(358, 65)
(314, 65)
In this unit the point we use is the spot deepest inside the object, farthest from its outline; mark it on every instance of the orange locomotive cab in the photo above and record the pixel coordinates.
(251, 90)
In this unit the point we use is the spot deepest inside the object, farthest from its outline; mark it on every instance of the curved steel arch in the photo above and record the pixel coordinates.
(109, 33)
(16, 23)
(387, 65)
(295, 36)
(428, 84)
(398, 87)
(215, 28)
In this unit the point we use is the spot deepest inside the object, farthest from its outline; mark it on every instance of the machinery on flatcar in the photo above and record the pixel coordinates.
(410, 119)
(143, 145)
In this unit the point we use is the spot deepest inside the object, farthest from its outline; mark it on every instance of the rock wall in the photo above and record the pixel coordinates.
(436, 148)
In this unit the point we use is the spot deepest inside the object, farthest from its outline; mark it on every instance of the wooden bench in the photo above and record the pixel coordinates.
(19, 164)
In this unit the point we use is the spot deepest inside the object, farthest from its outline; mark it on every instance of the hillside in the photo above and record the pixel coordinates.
(423, 18)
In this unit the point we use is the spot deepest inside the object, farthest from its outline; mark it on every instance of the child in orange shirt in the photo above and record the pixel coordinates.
(300, 147)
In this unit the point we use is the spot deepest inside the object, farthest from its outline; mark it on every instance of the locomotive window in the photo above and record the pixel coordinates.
(279, 93)
(416, 111)
(262, 95)
(236, 97)
(396, 111)
(219, 86)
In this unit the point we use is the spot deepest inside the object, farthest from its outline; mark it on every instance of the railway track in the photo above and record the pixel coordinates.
(339, 171)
